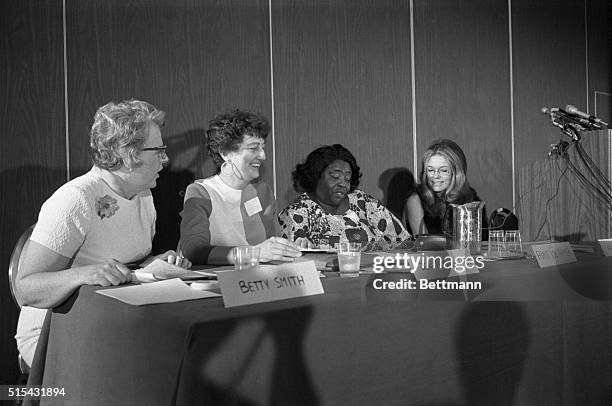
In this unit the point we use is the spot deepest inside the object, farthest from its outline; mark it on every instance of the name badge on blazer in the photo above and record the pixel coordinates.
(252, 206)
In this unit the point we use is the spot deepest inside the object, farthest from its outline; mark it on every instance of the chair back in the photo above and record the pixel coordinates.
(16, 258)
(503, 219)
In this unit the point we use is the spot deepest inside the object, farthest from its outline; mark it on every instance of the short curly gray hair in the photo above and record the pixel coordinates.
(119, 132)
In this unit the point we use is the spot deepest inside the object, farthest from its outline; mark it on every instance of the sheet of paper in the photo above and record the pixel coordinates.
(160, 270)
(168, 291)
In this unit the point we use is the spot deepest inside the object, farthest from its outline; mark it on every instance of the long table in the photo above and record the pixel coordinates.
(530, 336)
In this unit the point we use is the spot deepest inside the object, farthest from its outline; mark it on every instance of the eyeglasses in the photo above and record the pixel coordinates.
(161, 151)
(160, 148)
(443, 172)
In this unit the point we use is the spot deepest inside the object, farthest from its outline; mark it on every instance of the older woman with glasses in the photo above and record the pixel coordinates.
(233, 207)
(443, 180)
(94, 224)
(331, 209)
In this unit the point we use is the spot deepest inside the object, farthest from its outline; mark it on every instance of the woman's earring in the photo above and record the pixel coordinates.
(224, 168)
(236, 171)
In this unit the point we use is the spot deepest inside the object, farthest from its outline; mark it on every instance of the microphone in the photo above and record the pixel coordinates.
(592, 119)
(557, 114)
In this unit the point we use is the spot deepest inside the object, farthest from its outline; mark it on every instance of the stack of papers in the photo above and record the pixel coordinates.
(161, 270)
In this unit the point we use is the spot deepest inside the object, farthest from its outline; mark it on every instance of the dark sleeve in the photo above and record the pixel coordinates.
(432, 214)
(195, 230)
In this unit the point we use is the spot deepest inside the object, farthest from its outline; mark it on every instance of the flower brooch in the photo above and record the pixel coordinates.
(106, 206)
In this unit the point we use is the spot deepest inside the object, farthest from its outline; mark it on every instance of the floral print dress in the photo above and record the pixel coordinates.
(366, 221)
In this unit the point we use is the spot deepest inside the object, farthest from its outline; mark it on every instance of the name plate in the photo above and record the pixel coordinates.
(554, 254)
(606, 246)
(269, 283)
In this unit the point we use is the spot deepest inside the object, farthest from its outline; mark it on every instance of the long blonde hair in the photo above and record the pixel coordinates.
(458, 184)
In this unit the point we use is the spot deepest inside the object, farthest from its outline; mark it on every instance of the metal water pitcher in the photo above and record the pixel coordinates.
(462, 225)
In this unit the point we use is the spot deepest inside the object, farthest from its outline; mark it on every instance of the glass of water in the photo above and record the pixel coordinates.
(246, 258)
(513, 243)
(496, 244)
(349, 259)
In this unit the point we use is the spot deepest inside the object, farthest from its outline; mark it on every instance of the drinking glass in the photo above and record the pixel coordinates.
(246, 258)
(349, 259)
(514, 245)
(496, 244)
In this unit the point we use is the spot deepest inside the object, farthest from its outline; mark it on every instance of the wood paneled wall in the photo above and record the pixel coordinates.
(327, 71)
(599, 70)
(550, 70)
(342, 75)
(463, 88)
(32, 147)
(190, 59)
(599, 49)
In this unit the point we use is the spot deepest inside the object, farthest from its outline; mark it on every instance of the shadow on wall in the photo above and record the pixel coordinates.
(287, 198)
(397, 184)
(168, 197)
(498, 169)
(23, 191)
(189, 160)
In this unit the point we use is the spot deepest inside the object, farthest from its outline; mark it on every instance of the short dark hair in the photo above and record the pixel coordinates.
(306, 175)
(227, 130)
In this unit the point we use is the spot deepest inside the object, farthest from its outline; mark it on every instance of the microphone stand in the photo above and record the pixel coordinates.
(594, 180)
